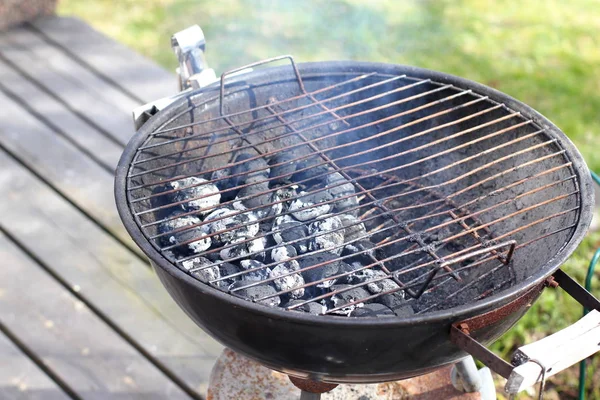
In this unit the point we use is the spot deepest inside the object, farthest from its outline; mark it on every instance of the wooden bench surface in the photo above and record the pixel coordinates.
(82, 314)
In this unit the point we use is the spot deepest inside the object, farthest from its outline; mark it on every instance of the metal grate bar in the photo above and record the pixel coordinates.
(443, 182)
(338, 133)
(445, 240)
(354, 166)
(384, 199)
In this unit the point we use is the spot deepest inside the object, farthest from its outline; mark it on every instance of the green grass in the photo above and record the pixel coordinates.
(545, 53)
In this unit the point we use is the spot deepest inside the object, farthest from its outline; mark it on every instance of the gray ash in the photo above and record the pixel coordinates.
(310, 205)
(238, 225)
(291, 282)
(346, 297)
(328, 234)
(191, 188)
(256, 271)
(338, 187)
(282, 253)
(276, 246)
(354, 228)
(206, 273)
(199, 242)
(311, 308)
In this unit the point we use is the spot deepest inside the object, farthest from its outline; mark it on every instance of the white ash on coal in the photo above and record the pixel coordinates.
(347, 296)
(187, 191)
(311, 205)
(236, 224)
(203, 269)
(339, 187)
(286, 280)
(328, 234)
(256, 271)
(354, 228)
(199, 242)
(312, 308)
(282, 253)
(244, 239)
(242, 247)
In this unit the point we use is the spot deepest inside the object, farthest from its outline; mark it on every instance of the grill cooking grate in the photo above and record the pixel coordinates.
(448, 186)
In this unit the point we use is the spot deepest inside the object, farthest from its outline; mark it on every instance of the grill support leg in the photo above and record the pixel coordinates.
(310, 396)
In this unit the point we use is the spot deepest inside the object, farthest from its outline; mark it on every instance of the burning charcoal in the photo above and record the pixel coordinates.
(213, 256)
(199, 188)
(339, 186)
(355, 229)
(254, 170)
(228, 183)
(259, 195)
(241, 248)
(281, 253)
(290, 231)
(226, 269)
(227, 186)
(372, 310)
(290, 281)
(206, 273)
(257, 292)
(348, 296)
(326, 239)
(312, 307)
(333, 267)
(313, 170)
(312, 202)
(243, 222)
(404, 311)
(200, 241)
(281, 219)
(392, 300)
(286, 193)
(256, 270)
(363, 251)
(383, 285)
(282, 174)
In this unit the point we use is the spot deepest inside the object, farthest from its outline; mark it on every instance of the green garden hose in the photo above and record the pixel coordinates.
(588, 286)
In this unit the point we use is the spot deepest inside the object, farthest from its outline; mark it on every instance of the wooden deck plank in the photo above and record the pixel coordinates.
(70, 339)
(131, 71)
(105, 273)
(22, 379)
(65, 65)
(60, 118)
(59, 162)
(114, 121)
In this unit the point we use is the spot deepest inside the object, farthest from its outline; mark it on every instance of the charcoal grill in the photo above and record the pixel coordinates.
(470, 199)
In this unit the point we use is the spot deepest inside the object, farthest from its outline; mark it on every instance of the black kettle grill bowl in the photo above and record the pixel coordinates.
(361, 350)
